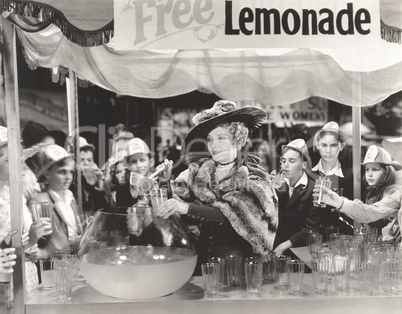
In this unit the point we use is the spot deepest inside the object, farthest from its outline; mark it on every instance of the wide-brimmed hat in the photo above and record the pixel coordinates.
(223, 111)
(379, 155)
(47, 156)
(300, 146)
(84, 144)
(394, 147)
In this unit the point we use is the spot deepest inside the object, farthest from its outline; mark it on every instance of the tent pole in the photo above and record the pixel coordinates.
(14, 153)
(73, 127)
(356, 121)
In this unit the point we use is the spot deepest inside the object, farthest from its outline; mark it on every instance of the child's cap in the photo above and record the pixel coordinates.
(300, 146)
(379, 155)
(135, 146)
(46, 158)
(84, 144)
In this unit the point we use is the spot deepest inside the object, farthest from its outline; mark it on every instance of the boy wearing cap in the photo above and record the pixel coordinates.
(139, 161)
(54, 167)
(93, 197)
(330, 142)
(297, 215)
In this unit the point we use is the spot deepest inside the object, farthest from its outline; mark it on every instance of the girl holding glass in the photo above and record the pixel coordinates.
(379, 179)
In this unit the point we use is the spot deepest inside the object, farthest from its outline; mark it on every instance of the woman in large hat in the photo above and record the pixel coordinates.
(224, 191)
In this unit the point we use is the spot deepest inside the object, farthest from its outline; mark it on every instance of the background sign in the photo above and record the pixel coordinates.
(312, 111)
(205, 24)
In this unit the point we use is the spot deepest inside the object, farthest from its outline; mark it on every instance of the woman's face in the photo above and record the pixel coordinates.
(60, 177)
(374, 173)
(221, 146)
(329, 147)
(291, 164)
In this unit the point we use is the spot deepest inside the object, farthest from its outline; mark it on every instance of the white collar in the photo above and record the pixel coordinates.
(302, 181)
(67, 199)
(336, 170)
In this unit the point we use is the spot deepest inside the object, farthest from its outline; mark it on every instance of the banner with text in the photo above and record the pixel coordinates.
(206, 24)
(312, 111)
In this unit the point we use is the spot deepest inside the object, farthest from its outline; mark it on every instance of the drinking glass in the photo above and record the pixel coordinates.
(319, 183)
(222, 273)
(390, 275)
(46, 267)
(281, 272)
(268, 266)
(295, 276)
(336, 243)
(320, 272)
(314, 243)
(210, 278)
(341, 266)
(158, 196)
(329, 230)
(63, 280)
(253, 271)
(234, 266)
(42, 210)
(371, 275)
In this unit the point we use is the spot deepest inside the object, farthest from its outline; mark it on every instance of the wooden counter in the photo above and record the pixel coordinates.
(190, 300)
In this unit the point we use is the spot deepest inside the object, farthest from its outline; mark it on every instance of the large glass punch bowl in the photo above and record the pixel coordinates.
(136, 255)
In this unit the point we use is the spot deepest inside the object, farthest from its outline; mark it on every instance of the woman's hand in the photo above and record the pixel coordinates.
(39, 228)
(172, 206)
(7, 260)
(328, 197)
(281, 248)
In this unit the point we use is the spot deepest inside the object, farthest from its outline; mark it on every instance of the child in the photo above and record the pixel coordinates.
(93, 197)
(330, 142)
(31, 231)
(297, 214)
(379, 178)
(55, 167)
(139, 161)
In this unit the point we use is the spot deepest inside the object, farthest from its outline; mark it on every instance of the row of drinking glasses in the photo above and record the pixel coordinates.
(59, 273)
(220, 274)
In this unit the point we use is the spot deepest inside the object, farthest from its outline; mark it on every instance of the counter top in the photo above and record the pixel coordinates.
(190, 299)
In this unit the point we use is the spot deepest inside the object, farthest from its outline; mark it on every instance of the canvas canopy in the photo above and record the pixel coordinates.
(62, 33)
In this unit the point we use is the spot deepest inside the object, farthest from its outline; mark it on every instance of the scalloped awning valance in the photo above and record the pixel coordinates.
(274, 76)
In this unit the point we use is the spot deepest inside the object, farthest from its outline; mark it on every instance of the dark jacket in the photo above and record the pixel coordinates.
(59, 237)
(297, 215)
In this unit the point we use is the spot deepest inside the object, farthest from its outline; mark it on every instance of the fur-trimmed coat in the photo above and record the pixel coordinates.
(244, 196)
